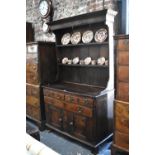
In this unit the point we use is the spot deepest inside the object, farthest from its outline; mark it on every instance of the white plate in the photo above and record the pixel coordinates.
(65, 60)
(76, 38)
(76, 60)
(87, 60)
(65, 39)
(87, 36)
(101, 35)
(101, 60)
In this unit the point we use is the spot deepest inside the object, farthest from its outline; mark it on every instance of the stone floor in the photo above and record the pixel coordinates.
(65, 146)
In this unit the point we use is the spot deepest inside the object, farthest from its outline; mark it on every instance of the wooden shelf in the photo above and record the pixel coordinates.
(84, 19)
(76, 88)
(82, 44)
(78, 65)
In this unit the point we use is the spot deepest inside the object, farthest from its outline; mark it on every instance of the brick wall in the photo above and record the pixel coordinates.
(32, 15)
(62, 9)
(68, 8)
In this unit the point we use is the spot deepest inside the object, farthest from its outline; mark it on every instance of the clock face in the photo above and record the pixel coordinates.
(44, 8)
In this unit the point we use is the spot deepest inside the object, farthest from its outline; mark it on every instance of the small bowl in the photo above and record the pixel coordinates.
(65, 60)
(81, 62)
(76, 60)
(101, 60)
(87, 60)
(69, 61)
(106, 62)
(93, 62)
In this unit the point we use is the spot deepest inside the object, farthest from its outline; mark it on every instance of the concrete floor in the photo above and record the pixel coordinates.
(65, 146)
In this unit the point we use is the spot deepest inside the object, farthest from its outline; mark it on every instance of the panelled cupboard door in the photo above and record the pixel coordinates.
(83, 127)
(68, 122)
(54, 116)
(78, 125)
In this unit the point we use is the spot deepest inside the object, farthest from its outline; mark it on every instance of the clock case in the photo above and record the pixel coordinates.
(49, 16)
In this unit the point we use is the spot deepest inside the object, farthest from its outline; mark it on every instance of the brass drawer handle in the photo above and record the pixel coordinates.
(58, 97)
(34, 67)
(71, 99)
(85, 101)
(79, 109)
(125, 122)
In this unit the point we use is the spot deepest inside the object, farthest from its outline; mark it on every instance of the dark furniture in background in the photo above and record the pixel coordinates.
(121, 105)
(79, 102)
(29, 32)
(40, 68)
(32, 130)
(122, 18)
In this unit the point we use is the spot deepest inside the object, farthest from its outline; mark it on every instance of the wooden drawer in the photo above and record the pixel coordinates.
(122, 91)
(32, 90)
(121, 139)
(122, 44)
(31, 100)
(122, 116)
(79, 109)
(85, 101)
(32, 67)
(123, 73)
(33, 95)
(53, 94)
(123, 58)
(54, 102)
(33, 112)
(32, 74)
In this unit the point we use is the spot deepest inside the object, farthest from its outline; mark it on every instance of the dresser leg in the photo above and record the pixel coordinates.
(113, 150)
(118, 151)
(42, 126)
(95, 151)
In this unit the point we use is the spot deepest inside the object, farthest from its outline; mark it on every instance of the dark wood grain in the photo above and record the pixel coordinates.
(121, 106)
(76, 100)
(29, 32)
(40, 69)
(79, 20)
(121, 139)
(122, 116)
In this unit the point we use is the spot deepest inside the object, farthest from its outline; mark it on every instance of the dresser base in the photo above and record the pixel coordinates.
(92, 146)
(116, 150)
(40, 124)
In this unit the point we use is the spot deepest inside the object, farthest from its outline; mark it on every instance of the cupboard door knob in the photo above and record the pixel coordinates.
(71, 123)
(85, 100)
(34, 67)
(71, 99)
(60, 119)
(79, 109)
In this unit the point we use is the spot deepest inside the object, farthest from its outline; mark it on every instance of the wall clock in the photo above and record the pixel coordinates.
(45, 8)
